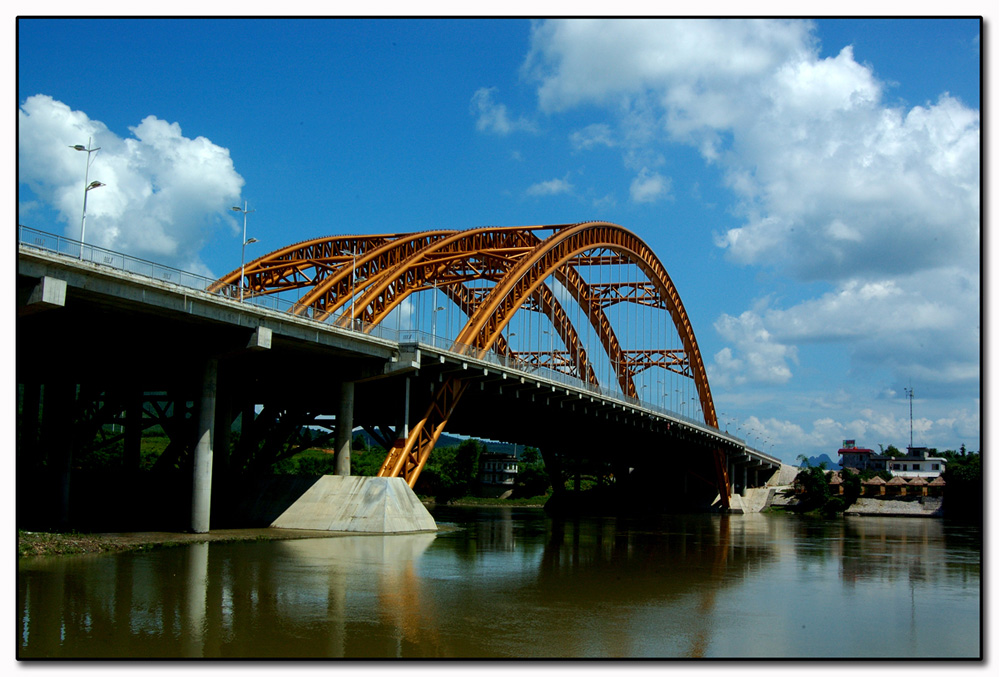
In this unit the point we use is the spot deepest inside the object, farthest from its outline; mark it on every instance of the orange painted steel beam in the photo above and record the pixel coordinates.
(407, 461)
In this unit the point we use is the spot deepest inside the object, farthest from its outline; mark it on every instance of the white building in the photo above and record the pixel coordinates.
(497, 473)
(916, 463)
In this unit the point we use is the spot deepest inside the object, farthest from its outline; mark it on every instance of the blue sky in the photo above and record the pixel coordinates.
(811, 186)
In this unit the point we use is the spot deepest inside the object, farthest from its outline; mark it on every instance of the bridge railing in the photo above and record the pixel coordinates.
(30, 237)
(100, 256)
(547, 373)
(112, 259)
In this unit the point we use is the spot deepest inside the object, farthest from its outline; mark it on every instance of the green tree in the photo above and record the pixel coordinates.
(890, 451)
(530, 455)
(963, 478)
(451, 472)
(852, 487)
(367, 462)
(532, 477)
(815, 487)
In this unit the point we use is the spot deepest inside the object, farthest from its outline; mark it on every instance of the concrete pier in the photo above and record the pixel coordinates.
(381, 505)
(201, 486)
(345, 428)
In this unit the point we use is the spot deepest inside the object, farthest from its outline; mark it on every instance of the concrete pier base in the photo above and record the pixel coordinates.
(383, 505)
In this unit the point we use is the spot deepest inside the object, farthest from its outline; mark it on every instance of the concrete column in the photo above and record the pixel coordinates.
(345, 426)
(60, 428)
(133, 428)
(201, 488)
(27, 446)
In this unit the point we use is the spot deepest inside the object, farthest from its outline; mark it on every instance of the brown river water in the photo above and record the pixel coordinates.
(514, 583)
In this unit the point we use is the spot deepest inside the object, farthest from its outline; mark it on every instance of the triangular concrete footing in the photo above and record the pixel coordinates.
(382, 505)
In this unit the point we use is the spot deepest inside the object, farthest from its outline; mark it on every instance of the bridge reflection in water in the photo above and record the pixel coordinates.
(513, 583)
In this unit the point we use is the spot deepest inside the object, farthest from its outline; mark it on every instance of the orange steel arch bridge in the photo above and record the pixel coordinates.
(589, 300)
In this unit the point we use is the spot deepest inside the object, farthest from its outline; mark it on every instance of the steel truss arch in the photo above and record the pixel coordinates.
(365, 277)
(561, 247)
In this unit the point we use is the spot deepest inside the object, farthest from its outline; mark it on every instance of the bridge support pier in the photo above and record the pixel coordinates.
(133, 428)
(58, 417)
(201, 486)
(343, 436)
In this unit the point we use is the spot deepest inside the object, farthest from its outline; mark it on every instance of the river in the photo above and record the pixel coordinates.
(504, 583)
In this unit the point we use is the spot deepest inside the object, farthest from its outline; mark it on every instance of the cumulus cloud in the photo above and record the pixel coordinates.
(758, 357)
(866, 191)
(830, 180)
(552, 187)
(492, 116)
(649, 186)
(578, 61)
(877, 203)
(164, 192)
(923, 326)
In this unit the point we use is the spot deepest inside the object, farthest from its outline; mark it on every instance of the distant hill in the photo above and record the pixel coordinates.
(822, 458)
(450, 441)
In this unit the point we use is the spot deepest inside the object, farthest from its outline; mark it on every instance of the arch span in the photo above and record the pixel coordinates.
(490, 274)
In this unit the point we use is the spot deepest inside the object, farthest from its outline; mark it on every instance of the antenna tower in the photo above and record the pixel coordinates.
(909, 395)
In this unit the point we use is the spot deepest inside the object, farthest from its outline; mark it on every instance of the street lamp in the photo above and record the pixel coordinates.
(245, 243)
(434, 321)
(88, 186)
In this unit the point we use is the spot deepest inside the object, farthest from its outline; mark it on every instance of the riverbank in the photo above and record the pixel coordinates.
(43, 544)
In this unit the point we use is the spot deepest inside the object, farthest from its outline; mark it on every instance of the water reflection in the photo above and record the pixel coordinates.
(516, 584)
(216, 600)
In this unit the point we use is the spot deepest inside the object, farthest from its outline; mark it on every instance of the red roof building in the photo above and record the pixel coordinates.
(853, 456)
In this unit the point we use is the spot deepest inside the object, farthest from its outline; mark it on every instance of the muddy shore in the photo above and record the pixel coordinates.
(41, 544)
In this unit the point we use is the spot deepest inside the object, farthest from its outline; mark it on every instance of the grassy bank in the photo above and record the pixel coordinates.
(476, 502)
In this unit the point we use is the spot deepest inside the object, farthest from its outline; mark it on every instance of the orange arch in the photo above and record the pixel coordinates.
(562, 246)
(367, 276)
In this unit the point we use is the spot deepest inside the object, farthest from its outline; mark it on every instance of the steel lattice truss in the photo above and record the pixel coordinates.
(490, 274)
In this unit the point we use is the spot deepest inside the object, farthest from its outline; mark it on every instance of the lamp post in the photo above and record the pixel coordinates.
(88, 186)
(354, 280)
(245, 243)
(434, 322)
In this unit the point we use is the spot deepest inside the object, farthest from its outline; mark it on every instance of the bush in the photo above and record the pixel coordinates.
(532, 480)
(833, 506)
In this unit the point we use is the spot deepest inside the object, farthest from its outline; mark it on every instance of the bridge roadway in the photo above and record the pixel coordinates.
(94, 324)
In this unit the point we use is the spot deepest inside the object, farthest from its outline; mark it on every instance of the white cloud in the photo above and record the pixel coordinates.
(758, 359)
(552, 187)
(878, 203)
(493, 117)
(591, 136)
(590, 60)
(831, 182)
(649, 187)
(861, 191)
(164, 192)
